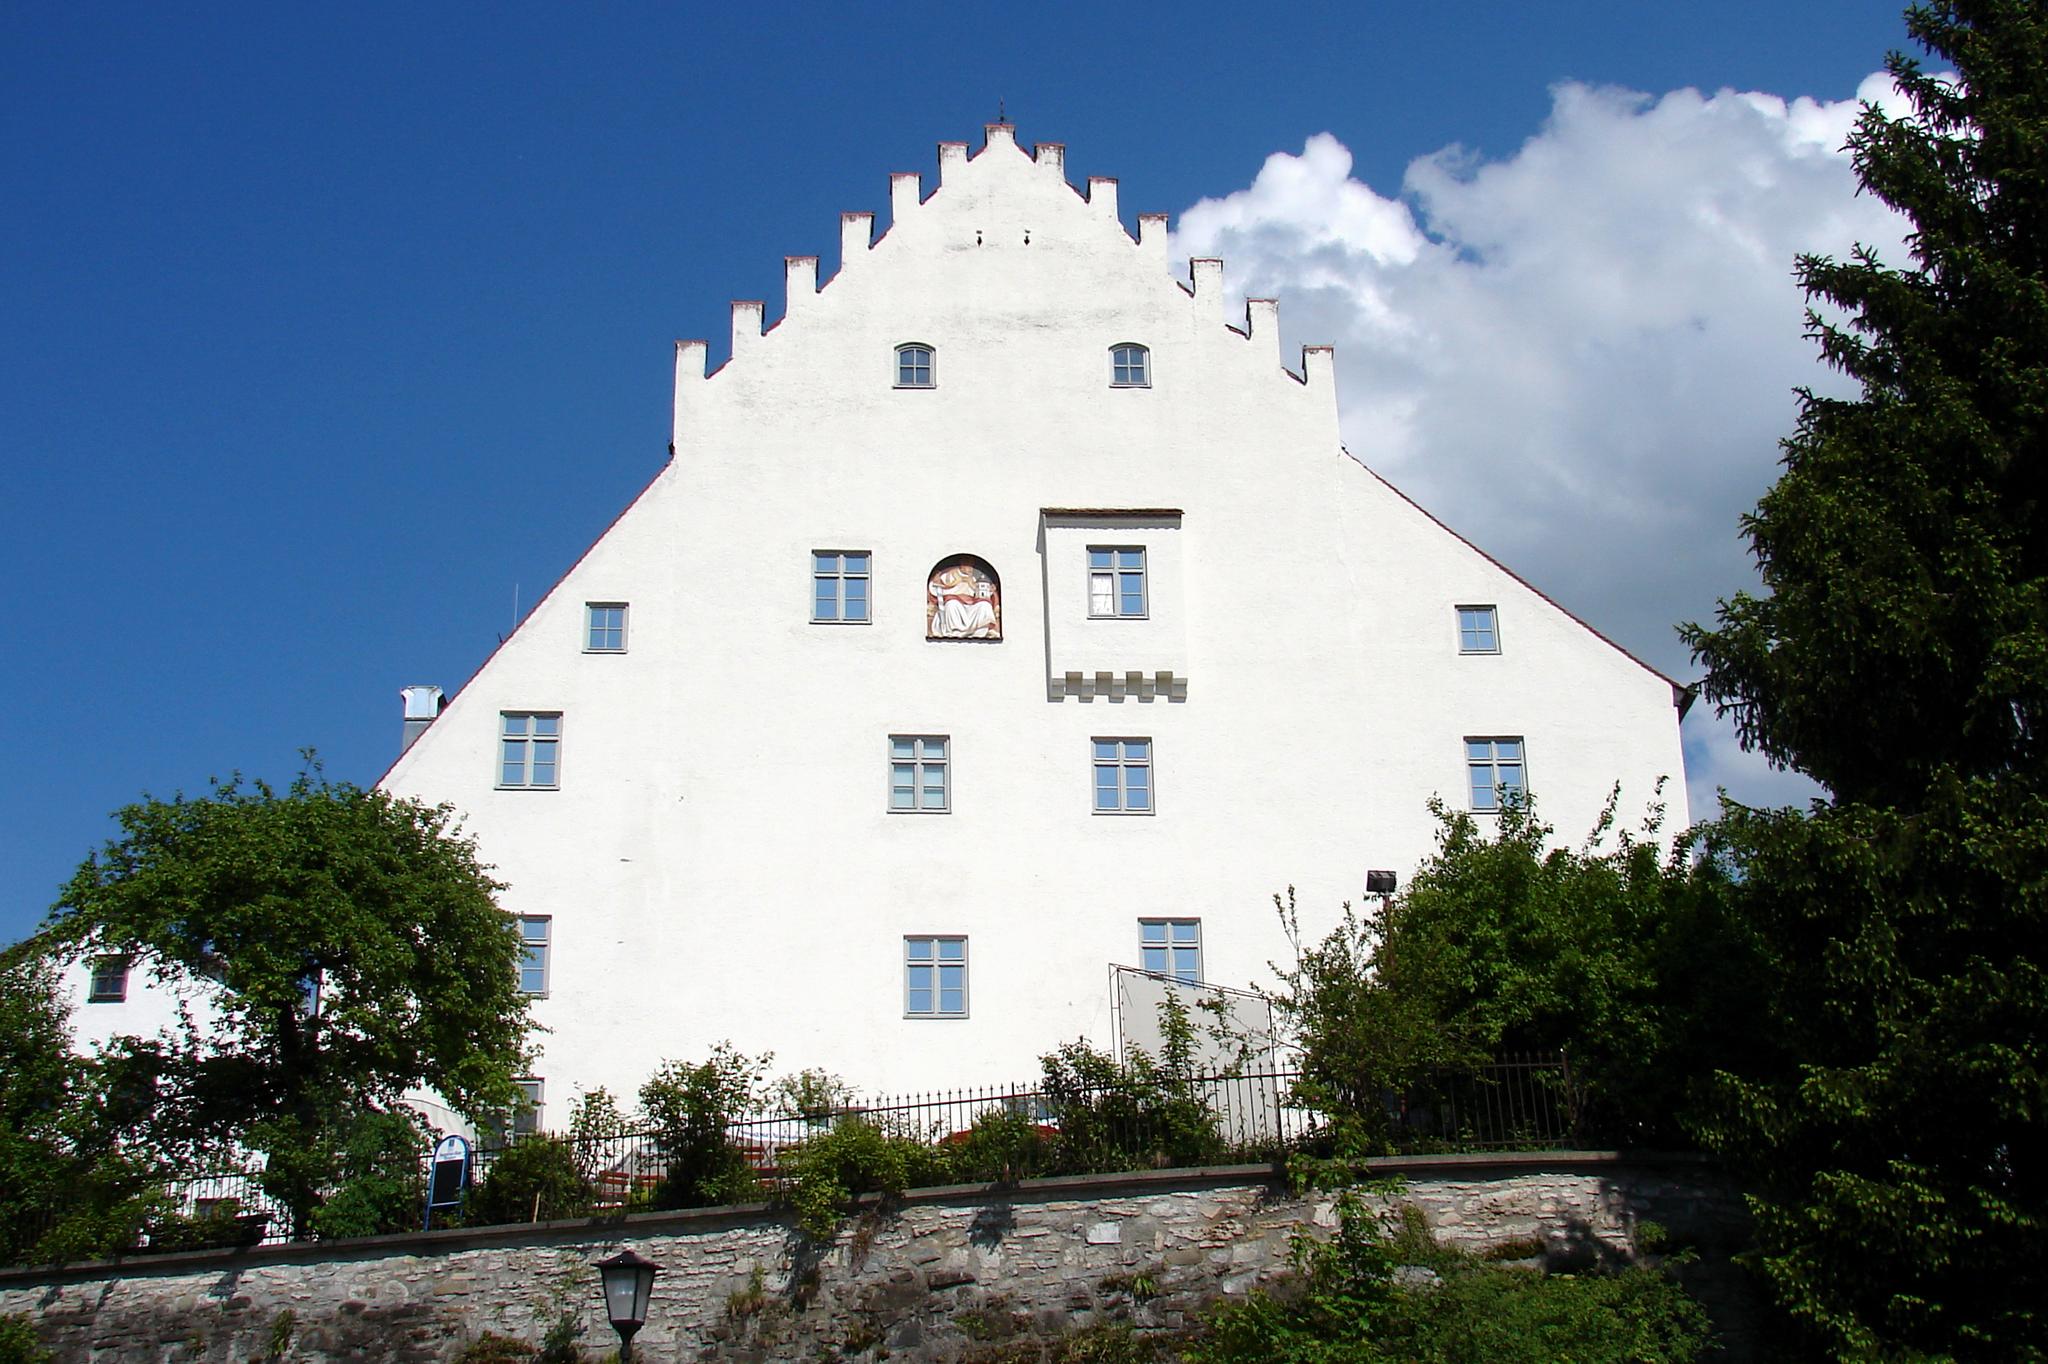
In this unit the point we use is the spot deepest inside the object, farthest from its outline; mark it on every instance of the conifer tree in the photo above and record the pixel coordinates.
(1897, 1136)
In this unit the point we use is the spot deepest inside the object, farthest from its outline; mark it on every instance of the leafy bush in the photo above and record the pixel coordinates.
(1136, 1114)
(532, 1180)
(855, 1157)
(1347, 1304)
(490, 1348)
(383, 1178)
(1001, 1148)
(19, 1345)
(691, 1105)
(223, 1224)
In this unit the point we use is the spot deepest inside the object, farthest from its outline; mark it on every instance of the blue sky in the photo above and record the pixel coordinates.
(328, 330)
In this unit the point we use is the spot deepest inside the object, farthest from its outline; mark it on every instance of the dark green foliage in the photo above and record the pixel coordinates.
(19, 1345)
(1140, 1113)
(691, 1105)
(535, 1179)
(1347, 1306)
(1505, 945)
(255, 898)
(829, 1171)
(1895, 1122)
(490, 1348)
(1904, 633)
(224, 1224)
(1003, 1147)
(73, 1183)
(382, 1173)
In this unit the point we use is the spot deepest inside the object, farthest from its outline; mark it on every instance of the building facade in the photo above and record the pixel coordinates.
(1006, 611)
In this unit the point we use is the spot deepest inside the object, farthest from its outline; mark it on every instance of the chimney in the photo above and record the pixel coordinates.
(422, 704)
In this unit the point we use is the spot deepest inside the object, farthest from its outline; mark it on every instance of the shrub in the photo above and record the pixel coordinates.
(832, 1169)
(383, 1178)
(223, 1224)
(1346, 1304)
(1136, 1114)
(1001, 1148)
(532, 1180)
(691, 1106)
(19, 1345)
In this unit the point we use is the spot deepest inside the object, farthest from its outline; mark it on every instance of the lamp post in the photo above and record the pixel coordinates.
(628, 1280)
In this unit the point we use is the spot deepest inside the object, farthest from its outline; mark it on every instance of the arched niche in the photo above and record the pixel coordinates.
(963, 599)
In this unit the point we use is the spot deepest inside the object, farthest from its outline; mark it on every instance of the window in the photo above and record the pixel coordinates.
(605, 627)
(935, 977)
(1478, 630)
(1495, 768)
(533, 955)
(1116, 581)
(526, 1119)
(1130, 366)
(109, 981)
(839, 587)
(914, 367)
(528, 744)
(1171, 947)
(917, 773)
(1123, 776)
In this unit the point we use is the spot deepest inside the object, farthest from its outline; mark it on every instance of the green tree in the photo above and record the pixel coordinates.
(1503, 943)
(72, 1181)
(692, 1105)
(1896, 1129)
(345, 948)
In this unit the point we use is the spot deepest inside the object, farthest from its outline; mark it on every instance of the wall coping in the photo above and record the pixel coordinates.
(685, 1221)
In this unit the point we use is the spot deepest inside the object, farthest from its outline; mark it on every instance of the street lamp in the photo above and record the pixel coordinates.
(628, 1280)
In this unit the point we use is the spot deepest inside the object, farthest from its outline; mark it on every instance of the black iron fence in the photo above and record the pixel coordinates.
(989, 1135)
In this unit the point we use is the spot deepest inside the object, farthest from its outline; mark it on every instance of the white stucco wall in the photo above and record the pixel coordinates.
(719, 861)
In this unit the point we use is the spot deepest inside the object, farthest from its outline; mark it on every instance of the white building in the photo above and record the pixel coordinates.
(1005, 609)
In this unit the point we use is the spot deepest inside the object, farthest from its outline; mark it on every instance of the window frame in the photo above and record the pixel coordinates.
(529, 1119)
(591, 627)
(1118, 365)
(114, 966)
(921, 764)
(1123, 764)
(1492, 764)
(527, 739)
(1115, 571)
(1169, 945)
(936, 964)
(930, 365)
(1491, 628)
(839, 578)
(527, 943)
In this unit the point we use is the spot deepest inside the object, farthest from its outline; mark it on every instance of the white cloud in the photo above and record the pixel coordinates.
(1582, 355)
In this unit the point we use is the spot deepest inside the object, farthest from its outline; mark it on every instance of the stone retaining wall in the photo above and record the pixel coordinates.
(945, 1275)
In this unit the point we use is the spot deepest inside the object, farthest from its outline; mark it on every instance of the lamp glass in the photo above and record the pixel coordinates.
(628, 1282)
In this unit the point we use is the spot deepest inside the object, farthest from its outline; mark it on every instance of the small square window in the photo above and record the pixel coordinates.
(1171, 947)
(1478, 630)
(1123, 776)
(604, 627)
(1496, 772)
(1130, 366)
(534, 936)
(839, 586)
(1116, 581)
(914, 367)
(917, 774)
(935, 977)
(529, 749)
(109, 981)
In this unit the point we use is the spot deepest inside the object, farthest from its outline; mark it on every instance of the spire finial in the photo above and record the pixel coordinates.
(1000, 116)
